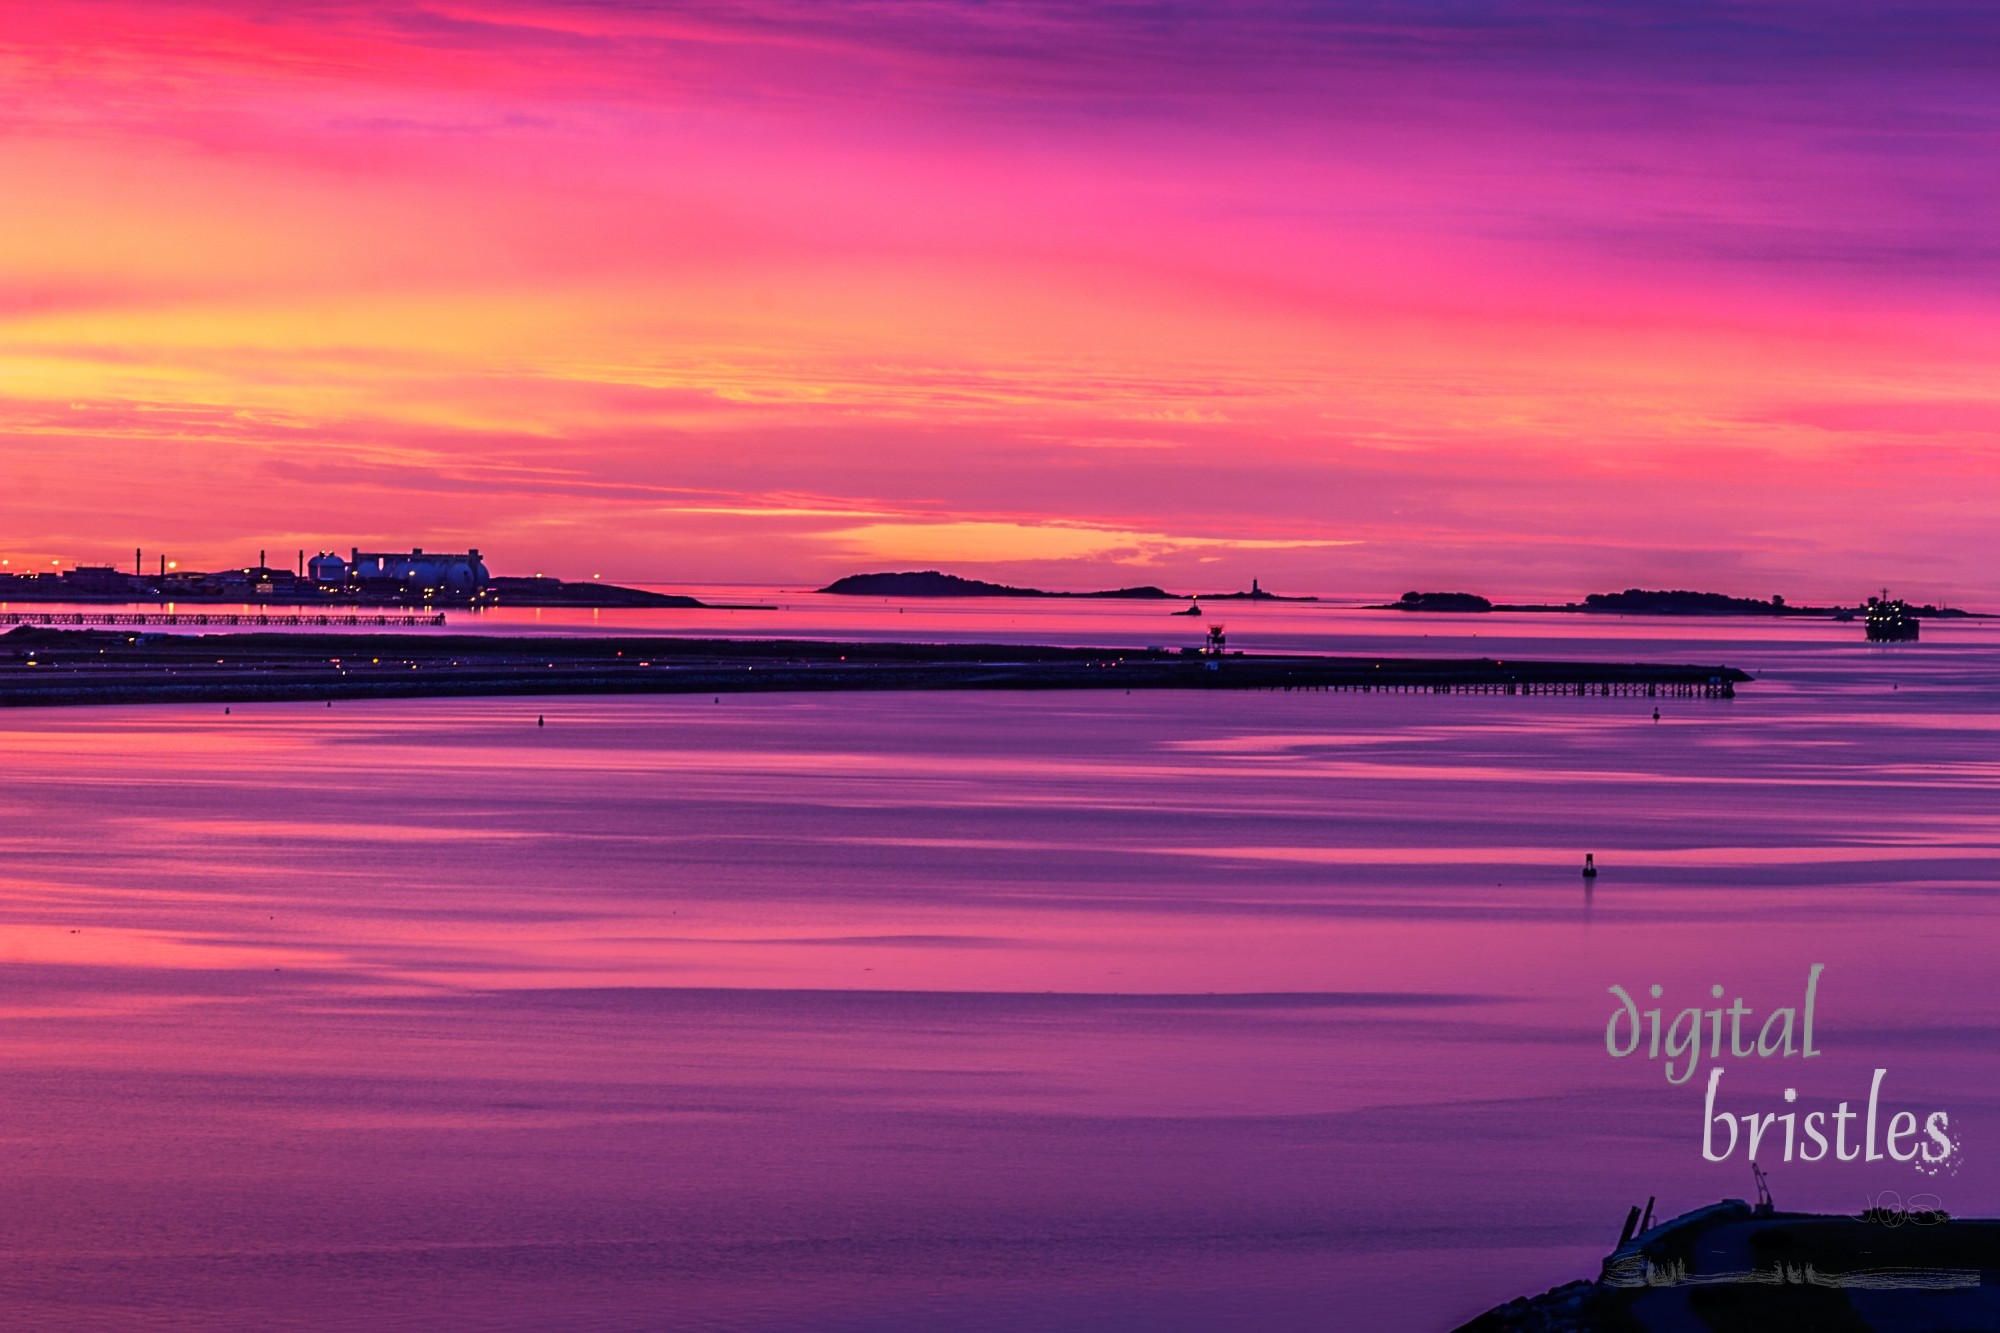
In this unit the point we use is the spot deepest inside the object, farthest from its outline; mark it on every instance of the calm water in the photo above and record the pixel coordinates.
(1157, 1011)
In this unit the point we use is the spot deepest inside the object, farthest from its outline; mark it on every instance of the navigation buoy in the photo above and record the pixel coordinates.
(1589, 865)
(539, 720)
(1656, 715)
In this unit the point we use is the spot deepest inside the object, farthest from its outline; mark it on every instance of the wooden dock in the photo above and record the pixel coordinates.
(279, 619)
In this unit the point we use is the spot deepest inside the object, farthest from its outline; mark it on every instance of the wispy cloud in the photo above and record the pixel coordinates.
(989, 542)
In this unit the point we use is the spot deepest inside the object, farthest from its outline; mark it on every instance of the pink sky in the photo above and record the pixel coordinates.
(1529, 300)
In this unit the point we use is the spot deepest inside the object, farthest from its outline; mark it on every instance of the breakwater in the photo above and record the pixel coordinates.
(42, 666)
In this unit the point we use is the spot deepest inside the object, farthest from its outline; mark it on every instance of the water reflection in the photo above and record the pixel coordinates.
(952, 1011)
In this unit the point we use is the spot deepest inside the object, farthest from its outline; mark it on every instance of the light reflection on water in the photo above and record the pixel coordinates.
(961, 1011)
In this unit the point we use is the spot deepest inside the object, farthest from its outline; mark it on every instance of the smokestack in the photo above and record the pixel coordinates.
(261, 566)
(163, 566)
(302, 564)
(138, 563)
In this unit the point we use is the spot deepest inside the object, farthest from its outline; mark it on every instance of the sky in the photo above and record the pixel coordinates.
(1528, 299)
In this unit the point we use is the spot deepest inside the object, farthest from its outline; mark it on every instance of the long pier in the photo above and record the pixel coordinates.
(51, 666)
(301, 619)
(1715, 687)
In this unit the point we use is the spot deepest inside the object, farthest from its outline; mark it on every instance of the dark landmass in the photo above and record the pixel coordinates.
(1731, 1268)
(56, 666)
(260, 586)
(1437, 601)
(931, 583)
(1642, 602)
(1639, 602)
(1256, 594)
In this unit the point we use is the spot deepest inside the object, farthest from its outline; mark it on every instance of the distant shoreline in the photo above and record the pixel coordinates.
(497, 595)
(504, 591)
(540, 592)
(1644, 602)
(931, 583)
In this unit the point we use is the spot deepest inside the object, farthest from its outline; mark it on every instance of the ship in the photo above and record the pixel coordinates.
(1890, 620)
(1734, 1267)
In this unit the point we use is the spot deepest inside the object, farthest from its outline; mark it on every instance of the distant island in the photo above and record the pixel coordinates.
(1644, 602)
(1679, 602)
(1437, 601)
(1256, 594)
(931, 583)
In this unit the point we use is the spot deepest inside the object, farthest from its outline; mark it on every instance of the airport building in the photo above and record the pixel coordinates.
(444, 571)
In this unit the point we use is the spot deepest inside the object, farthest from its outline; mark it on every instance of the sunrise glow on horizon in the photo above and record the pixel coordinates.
(1528, 300)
